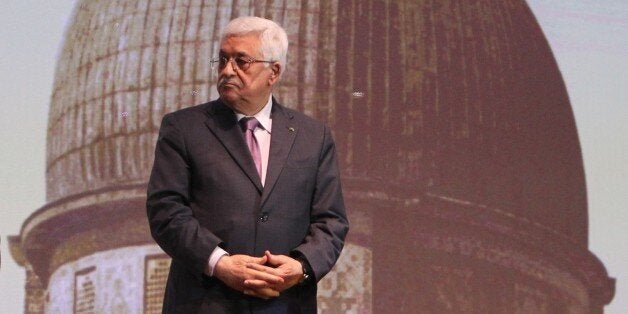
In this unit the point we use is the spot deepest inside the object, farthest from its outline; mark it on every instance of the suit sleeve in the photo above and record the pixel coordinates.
(328, 221)
(171, 219)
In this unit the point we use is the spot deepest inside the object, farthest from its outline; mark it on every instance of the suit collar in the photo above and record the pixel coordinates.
(263, 116)
(223, 124)
(281, 141)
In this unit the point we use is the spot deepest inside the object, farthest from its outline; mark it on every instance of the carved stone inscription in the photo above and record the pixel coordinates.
(84, 291)
(155, 276)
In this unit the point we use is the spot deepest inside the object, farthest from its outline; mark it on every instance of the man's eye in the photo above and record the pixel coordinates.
(241, 61)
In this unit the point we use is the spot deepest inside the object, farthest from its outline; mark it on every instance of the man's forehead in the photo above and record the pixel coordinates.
(247, 44)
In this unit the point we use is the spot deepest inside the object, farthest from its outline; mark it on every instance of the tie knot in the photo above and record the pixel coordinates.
(248, 123)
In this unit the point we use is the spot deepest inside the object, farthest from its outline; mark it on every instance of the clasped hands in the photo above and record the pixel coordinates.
(263, 277)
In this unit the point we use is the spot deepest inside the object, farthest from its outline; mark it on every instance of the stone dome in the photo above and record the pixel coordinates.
(460, 100)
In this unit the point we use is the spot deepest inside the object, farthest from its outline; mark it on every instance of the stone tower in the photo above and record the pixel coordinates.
(461, 164)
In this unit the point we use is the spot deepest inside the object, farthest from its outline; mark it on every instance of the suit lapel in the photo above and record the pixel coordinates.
(281, 140)
(222, 123)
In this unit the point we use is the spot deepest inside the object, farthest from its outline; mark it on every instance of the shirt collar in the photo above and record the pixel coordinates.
(263, 116)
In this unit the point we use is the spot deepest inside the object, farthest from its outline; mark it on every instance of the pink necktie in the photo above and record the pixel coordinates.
(248, 125)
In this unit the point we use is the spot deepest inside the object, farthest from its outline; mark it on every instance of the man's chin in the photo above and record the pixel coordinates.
(228, 95)
(230, 100)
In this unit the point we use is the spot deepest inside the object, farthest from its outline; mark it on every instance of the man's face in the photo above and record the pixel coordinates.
(245, 90)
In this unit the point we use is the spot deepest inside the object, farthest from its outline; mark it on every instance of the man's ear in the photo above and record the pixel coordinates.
(275, 71)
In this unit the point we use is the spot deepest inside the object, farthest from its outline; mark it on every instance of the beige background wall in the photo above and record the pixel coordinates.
(589, 39)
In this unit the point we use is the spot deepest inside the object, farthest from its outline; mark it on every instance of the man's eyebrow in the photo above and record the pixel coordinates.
(237, 54)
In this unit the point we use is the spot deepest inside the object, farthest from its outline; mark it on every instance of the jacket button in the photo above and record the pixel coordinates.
(263, 218)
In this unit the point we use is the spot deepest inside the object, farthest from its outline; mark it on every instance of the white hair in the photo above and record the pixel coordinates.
(273, 38)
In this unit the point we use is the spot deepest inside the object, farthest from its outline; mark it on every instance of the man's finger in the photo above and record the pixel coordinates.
(261, 275)
(264, 293)
(276, 260)
(253, 293)
(266, 269)
(258, 260)
(255, 284)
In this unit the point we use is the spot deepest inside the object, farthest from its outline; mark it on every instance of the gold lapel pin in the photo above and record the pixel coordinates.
(291, 129)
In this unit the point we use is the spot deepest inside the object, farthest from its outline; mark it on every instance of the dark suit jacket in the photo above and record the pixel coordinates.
(204, 191)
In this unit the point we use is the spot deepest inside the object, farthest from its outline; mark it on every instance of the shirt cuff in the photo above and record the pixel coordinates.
(217, 253)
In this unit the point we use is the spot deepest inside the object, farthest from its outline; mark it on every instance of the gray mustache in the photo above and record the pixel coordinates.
(225, 81)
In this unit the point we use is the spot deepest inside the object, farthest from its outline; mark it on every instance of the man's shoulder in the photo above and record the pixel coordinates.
(298, 117)
(201, 113)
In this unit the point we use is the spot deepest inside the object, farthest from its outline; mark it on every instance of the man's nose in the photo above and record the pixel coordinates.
(229, 68)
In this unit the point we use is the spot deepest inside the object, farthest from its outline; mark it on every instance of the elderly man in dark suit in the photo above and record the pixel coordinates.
(245, 194)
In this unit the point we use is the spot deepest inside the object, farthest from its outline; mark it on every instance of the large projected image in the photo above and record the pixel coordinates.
(460, 159)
